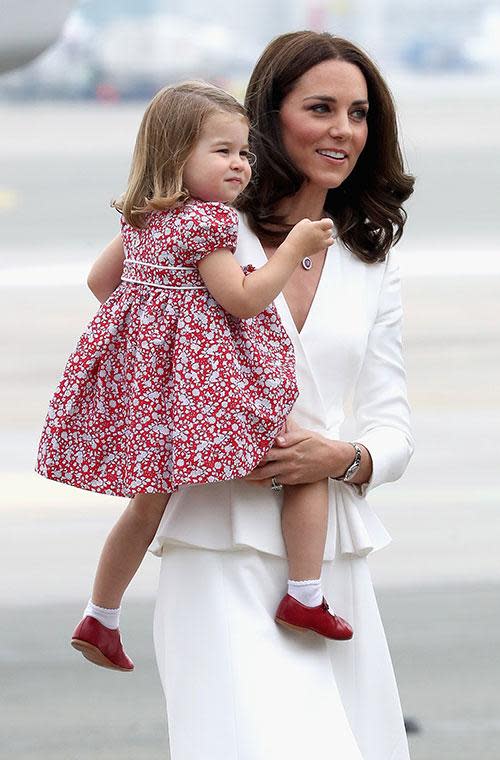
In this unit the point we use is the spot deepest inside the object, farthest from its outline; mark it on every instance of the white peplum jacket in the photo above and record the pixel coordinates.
(352, 386)
(234, 681)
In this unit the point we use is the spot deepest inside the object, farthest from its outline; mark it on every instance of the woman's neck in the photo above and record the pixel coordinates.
(308, 202)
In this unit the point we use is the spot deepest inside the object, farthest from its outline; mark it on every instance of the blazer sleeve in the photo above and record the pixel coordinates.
(380, 403)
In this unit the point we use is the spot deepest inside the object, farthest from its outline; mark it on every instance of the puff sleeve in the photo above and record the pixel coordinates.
(212, 226)
(380, 404)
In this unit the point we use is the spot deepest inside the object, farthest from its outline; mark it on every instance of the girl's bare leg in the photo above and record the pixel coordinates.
(126, 546)
(305, 523)
(304, 520)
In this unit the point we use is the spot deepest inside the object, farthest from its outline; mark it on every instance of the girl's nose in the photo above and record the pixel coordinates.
(237, 163)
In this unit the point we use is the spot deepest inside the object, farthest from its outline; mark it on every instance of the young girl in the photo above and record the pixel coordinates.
(185, 375)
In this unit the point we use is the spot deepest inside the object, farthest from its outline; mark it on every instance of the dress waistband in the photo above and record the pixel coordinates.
(166, 277)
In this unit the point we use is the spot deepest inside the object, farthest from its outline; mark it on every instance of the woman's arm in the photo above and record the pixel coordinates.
(380, 409)
(245, 296)
(106, 272)
(380, 406)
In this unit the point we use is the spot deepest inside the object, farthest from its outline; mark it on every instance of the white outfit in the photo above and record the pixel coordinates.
(233, 679)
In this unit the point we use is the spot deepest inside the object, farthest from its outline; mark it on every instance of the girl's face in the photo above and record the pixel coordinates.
(323, 122)
(218, 168)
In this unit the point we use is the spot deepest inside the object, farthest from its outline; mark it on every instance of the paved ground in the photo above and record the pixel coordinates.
(56, 706)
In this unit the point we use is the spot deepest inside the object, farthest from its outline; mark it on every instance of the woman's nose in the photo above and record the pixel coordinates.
(341, 126)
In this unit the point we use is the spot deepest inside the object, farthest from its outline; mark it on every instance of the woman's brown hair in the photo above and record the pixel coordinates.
(170, 127)
(367, 207)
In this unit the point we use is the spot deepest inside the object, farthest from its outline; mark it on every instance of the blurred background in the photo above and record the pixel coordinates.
(73, 84)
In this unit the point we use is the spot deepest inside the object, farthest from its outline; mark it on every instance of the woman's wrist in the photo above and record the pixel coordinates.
(343, 454)
(341, 457)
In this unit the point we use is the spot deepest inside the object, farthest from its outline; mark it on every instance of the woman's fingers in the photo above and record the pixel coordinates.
(299, 456)
(266, 483)
(265, 472)
(290, 425)
(273, 463)
(284, 440)
(281, 453)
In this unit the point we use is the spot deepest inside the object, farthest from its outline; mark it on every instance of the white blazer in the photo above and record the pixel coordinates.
(352, 386)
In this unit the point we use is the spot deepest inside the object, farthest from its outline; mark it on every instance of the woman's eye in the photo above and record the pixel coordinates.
(359, 114)
(320, 108)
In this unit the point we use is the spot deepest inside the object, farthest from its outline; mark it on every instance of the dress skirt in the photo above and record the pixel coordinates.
(239, 687)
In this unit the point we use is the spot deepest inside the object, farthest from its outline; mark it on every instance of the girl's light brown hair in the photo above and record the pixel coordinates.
(367, 207)
(167, 135)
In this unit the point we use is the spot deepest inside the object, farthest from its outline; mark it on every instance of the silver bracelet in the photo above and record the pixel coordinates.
(354, 467)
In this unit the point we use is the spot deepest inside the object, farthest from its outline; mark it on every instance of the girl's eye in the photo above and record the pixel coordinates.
(223, 150)
(250, 157)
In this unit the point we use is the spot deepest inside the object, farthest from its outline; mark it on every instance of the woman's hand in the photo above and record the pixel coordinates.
(302, 456)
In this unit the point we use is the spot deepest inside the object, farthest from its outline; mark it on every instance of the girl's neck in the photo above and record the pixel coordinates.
(308, 202)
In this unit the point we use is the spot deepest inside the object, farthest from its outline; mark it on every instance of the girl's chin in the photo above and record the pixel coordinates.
(213, 198)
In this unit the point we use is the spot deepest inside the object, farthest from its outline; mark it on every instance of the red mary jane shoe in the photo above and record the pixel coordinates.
(100, 645)
(293, 614)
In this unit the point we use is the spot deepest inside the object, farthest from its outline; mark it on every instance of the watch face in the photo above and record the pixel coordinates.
(352, 470)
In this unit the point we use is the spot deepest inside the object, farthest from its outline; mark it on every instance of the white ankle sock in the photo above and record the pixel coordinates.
(306, 592)
(109, 618)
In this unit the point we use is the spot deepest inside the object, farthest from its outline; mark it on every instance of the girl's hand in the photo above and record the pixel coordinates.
(106, 272)
(309, 238)
(302, 456)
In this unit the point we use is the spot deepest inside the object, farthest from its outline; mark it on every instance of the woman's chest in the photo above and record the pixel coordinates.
(328, 317)
(300, 290)
(334, 337)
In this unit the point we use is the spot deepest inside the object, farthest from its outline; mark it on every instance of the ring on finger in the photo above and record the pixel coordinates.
(275, 485)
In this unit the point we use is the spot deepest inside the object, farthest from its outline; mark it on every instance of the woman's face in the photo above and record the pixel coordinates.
(323, 122)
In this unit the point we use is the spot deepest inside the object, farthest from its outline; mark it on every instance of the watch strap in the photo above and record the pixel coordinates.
(354, 466)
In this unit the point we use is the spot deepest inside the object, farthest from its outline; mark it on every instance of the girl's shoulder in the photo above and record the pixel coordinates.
(208, 226)
(206, 214)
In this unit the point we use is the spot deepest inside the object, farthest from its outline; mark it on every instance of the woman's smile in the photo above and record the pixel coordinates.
(333, 155)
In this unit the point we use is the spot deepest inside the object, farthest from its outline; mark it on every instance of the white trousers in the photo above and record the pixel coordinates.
(234, 680)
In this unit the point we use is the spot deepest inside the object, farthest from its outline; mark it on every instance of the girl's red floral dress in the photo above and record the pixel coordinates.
(165, 388)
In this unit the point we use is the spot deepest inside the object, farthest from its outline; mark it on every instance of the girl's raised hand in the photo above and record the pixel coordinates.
(311, 237)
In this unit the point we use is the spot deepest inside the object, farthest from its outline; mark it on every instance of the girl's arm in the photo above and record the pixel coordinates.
(246, 296)
(106, 272)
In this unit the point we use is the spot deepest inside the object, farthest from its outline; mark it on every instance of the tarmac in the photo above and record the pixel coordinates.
(57, 706)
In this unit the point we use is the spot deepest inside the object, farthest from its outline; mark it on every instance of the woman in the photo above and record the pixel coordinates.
(237, 686)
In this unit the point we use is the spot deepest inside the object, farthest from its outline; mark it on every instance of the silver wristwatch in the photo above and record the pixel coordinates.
(354, 467)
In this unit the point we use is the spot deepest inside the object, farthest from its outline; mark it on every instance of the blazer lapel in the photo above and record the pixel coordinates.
(309, 409)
